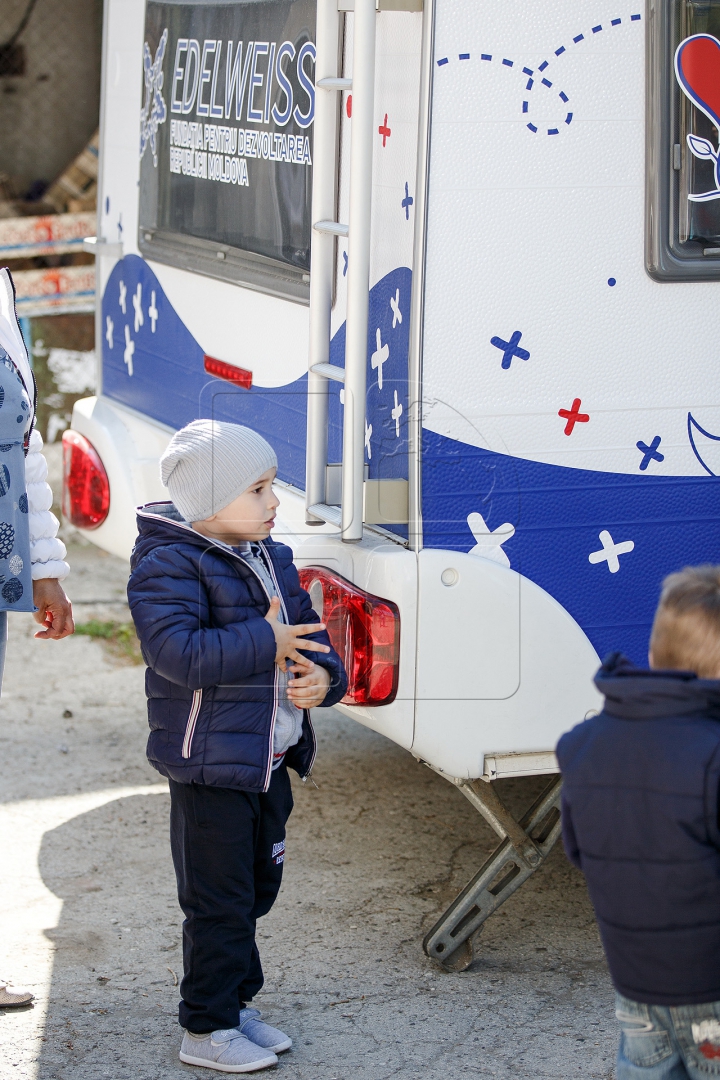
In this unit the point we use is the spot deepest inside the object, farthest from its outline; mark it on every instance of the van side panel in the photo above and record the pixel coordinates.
(570, 419)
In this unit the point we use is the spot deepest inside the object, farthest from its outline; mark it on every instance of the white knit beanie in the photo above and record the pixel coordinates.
(209, 463)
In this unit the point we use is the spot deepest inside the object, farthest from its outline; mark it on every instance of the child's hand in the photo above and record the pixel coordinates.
(289, 639)
(310, 685)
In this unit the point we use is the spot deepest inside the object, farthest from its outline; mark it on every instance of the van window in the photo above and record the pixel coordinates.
(683, 166)
(226, 140)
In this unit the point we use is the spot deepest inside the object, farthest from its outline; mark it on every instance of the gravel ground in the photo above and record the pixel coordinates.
(91, 924)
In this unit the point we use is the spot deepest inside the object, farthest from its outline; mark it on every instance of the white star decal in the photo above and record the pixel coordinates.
(610, 551)
(395, 305)
(396, 413)
(129, 350)
(137, 304)
(488, 545)
(152, 311)
(379, 357)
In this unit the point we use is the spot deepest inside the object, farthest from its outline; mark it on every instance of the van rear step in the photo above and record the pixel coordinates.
(525, 846)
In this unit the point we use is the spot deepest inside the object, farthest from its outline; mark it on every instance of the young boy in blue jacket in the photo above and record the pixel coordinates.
(225, 628)
(641, 787)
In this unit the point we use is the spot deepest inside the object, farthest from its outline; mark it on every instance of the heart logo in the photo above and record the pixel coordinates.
(697, 67)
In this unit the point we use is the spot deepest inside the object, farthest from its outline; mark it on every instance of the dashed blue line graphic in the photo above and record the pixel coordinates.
(548, 83)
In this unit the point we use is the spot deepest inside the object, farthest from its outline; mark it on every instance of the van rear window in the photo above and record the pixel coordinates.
(226, 140)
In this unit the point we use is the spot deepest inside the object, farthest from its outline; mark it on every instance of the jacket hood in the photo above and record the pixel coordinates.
(161, 523)
(633, 693)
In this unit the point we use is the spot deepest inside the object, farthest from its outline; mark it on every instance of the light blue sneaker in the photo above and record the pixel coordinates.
(226, 1051)
(262, 1034)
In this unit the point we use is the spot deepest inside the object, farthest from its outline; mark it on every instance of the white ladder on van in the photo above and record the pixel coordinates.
(349, 515)
(324, 200)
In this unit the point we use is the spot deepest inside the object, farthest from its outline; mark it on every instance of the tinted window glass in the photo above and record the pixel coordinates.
(697, 67)
(226, 139)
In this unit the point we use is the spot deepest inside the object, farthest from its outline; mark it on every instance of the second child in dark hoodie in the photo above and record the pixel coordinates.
(640, 819)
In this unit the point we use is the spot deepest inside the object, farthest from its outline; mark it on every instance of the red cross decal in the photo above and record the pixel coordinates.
(573, 416)
(384, 130)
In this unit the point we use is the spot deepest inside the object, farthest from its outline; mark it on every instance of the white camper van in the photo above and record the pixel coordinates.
(458, 264)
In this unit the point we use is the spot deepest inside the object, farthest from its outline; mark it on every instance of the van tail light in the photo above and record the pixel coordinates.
(86, 488)
(228, 372)
(365, 632)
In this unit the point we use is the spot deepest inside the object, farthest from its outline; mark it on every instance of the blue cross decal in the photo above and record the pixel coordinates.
(407, 202)
(510, 348)
(650, 453)
(345, 258)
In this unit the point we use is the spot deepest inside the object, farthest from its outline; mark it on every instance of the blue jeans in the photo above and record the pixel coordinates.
(659, 1042)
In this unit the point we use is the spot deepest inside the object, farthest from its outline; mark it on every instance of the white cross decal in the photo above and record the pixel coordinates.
(396, 413)
(129, 350)
(137, 304)
(123, 294)
(109, 327)
(488, 545)
(395, 305)
(152, 311)
(368, 433)
(379, 357)
(342, 395)
(610, 551)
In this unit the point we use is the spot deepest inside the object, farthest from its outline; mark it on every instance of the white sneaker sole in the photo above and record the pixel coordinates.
(251, 1066)
(281, 1046)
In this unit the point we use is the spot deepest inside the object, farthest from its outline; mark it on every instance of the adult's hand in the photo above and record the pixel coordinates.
(54, 609)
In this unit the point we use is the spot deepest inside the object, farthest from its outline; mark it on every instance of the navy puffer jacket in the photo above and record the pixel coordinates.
(211, 681)
(640, 818)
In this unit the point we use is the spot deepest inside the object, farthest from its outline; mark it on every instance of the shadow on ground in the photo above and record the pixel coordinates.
(373, 857)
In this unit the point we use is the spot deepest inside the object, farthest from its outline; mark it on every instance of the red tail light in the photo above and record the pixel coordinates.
(86, 489)
(229, 372)
(364, 630)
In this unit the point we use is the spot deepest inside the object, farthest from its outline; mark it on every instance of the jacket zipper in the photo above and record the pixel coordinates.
(306, 712)
(191, 723)
(276, 696)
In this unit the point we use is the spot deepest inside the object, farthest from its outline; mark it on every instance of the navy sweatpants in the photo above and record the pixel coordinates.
(228, 848)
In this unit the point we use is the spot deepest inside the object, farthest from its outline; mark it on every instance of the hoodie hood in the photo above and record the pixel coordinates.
(160, 523)
(633, 693)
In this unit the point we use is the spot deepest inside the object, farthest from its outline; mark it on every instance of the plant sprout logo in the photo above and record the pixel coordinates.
(697, 69)
(154, 111)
